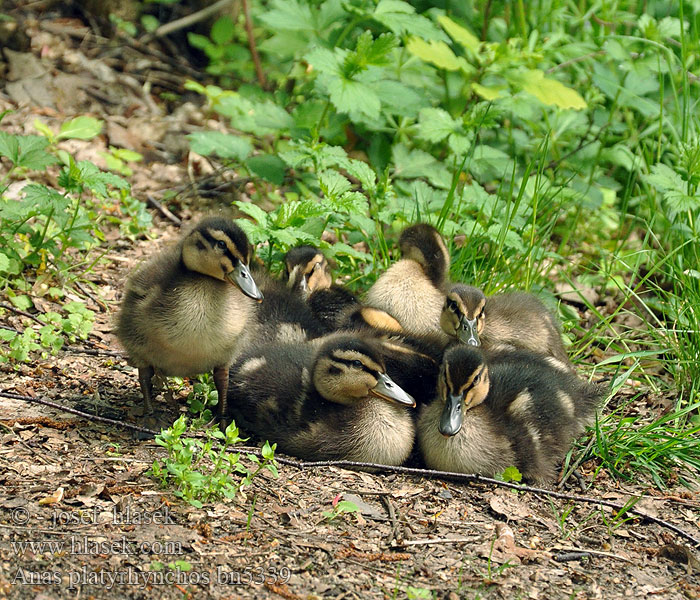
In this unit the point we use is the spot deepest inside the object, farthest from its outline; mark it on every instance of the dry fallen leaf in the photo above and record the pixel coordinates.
(54, 498)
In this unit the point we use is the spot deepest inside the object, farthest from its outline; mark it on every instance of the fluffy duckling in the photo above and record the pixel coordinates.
(333, 306)
(307, 270)
(411, 290)
(325, 400)
(517, 408)
(506, 321)
(186, 309)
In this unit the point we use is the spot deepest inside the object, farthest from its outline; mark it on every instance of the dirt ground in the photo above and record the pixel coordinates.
(79, 517)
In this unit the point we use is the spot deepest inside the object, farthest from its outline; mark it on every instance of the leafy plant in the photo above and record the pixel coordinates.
(340, 507)
(201, 471)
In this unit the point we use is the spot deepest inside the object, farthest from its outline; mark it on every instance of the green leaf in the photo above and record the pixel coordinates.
(22, 302)
(288, 15)
(32, 153)
(223, 30)
(353, 97)
(345, 506)
(149, 23)
(401, 18)
(81, 128)
(333, 183)
(460, 34)
(268, 166)
(550, 91)
(511, 474)
(663, 178)
(438, 54)
(363, 172)
(435, 124)
(4, 263)
(9, 146)
(253, 210)
(489, 92)
(224, 145)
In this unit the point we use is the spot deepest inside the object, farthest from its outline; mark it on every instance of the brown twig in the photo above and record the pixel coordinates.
(163, 210)
(21, 312)
(75, 411)
(88, 293)
(427, 473)
(186, 21)
(460, 540)
(251, 44)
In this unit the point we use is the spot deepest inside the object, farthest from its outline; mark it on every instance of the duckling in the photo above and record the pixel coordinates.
(330, 399)
(333, 306)
(307, 270)
(411, 290)
(186, 310)
(516, 408)
(506, 321)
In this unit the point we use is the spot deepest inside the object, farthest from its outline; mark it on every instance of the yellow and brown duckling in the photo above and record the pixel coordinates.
(334, 307)
(505, 321)
(514, 408)
(412, 289)
(186, 310)
(330, 399)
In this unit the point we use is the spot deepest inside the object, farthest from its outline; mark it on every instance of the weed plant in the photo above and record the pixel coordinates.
(553, 143)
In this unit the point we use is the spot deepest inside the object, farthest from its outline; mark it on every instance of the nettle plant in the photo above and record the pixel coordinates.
(47, 235)
(382, 116)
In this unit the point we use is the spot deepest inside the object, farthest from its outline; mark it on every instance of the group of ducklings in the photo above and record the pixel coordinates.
(482, 383)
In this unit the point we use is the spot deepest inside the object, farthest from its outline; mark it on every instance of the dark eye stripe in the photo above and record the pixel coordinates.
(227, 252)
(351, 363)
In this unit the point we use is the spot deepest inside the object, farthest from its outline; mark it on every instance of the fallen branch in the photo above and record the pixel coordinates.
(186, 21)
(163, 210)
(427, 473)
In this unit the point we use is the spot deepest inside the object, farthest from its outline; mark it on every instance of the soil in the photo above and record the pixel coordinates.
(80, 517)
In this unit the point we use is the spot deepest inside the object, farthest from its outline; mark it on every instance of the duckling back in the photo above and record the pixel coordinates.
(411, 289)
(521, 320)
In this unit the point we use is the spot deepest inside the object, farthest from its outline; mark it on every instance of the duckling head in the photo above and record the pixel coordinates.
(307, 269)
(217, 247)
(348, 369)
(463, 314)
(424, 244)
(463, 384)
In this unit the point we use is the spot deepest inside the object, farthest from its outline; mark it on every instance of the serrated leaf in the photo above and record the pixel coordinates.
(510, 240)
(333, 183)
(435, 124)
(80, 128)
(32, 153)
(224, 145)
(288, 15)
(664, 179)
(324, 60)
(399, 99)
(363, 172)
(346, 250)
(401, 18)
(437, 53)
(9, 146)
(254, 211)
(291, 236)
(268, 166)
(4, 263)
(550, 91)
(353, 97)
(460, 34)
(511, 474)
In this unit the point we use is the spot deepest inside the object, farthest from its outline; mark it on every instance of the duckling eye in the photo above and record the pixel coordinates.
(357, 364)
(452, 306)
(477, 378)
(221, 244)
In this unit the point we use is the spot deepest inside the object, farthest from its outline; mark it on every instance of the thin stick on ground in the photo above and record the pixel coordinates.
(427, 473)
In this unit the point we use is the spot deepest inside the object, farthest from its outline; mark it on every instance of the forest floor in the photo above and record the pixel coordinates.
(80, 518)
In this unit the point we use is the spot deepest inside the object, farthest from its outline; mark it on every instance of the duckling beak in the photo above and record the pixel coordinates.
(243, 279)
(467, 333)
(451, 417)
(386, 389)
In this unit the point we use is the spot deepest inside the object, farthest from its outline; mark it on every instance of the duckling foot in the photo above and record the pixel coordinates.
(146, 383)
(221, 383)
